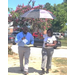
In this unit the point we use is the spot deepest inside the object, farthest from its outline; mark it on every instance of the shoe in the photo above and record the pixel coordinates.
(25, 72)
(42, 72)
(47, 71)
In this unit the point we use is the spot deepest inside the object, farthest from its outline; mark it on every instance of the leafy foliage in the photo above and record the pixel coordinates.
(58, 24)
(21, 9)
(60, 10)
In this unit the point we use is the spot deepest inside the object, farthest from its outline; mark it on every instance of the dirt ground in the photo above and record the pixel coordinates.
(34, 66)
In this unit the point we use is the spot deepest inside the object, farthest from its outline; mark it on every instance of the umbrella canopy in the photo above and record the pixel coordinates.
(38, 13)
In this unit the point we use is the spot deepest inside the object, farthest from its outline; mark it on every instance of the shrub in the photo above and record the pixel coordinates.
(10, 50)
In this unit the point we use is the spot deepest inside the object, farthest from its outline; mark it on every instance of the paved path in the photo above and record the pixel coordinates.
(37, 51)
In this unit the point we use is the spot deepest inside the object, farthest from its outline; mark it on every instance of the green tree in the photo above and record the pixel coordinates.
(10, 10)
(60, 11)
(21, 9)
(65, 1)
(48, 6)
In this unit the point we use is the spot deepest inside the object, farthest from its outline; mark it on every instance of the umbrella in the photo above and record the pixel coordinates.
(38, 13)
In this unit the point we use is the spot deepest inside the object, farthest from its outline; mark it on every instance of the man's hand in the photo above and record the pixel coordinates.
(23, 38)
(47, 44)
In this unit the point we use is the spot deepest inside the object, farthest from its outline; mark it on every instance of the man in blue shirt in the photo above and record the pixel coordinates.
(24, 38)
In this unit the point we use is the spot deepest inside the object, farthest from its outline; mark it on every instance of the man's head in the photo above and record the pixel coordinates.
(25, 29)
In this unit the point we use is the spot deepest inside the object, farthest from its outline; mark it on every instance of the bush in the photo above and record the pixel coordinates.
(10, 50)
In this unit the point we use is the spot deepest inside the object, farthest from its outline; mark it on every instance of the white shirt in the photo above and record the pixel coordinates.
(48, 39)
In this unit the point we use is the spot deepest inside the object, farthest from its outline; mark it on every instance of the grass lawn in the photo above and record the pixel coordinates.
(63, 42)
(61, 64)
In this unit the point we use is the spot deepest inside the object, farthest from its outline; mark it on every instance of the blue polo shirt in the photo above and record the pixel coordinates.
(28, 36)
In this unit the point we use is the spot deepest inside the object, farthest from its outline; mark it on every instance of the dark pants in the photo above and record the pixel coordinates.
(47, 57)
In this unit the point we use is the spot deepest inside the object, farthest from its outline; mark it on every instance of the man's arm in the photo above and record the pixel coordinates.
(18, 39)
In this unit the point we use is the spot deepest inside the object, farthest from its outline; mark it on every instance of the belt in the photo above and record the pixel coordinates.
(24, 46)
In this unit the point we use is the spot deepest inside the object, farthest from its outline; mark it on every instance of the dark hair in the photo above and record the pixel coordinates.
(50, 31)
(24, 26)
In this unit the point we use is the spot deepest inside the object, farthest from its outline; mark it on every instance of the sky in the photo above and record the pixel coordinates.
(13, 3)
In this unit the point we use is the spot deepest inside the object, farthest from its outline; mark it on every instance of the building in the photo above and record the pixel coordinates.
(10, 27)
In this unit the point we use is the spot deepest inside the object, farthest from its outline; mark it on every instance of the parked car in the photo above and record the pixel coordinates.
(11, 38)
(35, 34)
(39, 42)
(58, 35)
(15, 33)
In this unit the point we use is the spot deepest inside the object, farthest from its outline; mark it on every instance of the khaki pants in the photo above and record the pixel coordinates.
(24, 52)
